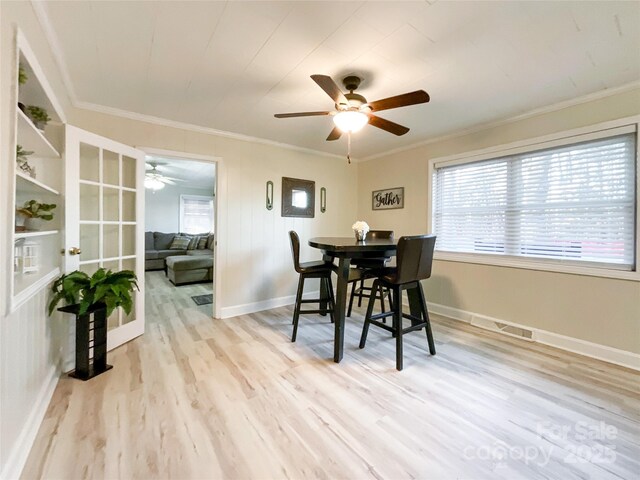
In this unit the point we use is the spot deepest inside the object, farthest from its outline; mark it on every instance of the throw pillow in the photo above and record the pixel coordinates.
(180, 243)
(210, 240)
(193, 244)
(162, 241)
(202, 242)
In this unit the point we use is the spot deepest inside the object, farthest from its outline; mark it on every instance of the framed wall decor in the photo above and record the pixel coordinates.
(298, 197)
(388, 199)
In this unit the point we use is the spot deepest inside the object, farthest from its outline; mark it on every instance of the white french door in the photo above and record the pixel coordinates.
(104, 224)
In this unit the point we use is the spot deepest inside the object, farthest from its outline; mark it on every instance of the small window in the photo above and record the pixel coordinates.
(573, 203)
(196, 214)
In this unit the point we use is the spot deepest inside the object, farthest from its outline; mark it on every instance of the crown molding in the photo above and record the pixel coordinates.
(497, 123)
(58, 56)
(165, 122)
(51, 37)
(56, 50)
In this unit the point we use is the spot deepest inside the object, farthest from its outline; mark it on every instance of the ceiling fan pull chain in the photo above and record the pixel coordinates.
(349, 147)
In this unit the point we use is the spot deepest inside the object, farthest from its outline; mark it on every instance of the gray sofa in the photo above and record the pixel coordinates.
(157, 250)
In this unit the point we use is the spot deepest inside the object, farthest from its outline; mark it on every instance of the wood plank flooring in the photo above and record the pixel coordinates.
(235, 399)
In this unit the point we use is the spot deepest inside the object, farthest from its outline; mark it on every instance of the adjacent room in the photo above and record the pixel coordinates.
(317, 239)
(179, 232)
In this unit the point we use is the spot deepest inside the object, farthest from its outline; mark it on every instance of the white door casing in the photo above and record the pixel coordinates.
(104, 217)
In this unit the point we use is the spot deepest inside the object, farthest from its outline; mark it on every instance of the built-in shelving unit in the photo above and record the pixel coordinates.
(35, 233)
(33, 139)
(26, 184)
(45, 238)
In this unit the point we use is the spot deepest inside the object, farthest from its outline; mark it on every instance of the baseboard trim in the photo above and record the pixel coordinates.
(245, 309)
(20, 451)
(563, 342)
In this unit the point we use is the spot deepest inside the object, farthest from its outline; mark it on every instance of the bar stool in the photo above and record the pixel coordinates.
(368, 263)
(414, 260)
(319, 269)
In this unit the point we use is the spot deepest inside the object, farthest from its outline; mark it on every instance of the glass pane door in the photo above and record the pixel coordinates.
(105, 220)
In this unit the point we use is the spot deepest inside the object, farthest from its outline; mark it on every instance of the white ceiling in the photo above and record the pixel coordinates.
(231, 65)
(193, 174)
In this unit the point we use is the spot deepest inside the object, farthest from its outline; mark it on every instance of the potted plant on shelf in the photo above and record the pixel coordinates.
(22, 75)
(22, 79)
(98, 296)
(33, 210)
(23, 164)
(38, 116)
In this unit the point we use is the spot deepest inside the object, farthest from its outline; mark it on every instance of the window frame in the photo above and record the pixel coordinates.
(592, 132)
(196, 197)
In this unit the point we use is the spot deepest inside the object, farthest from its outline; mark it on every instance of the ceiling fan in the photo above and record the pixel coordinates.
(155, 180)
(353, 111)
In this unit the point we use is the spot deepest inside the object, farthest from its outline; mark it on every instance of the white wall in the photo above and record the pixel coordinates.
(254, 252)
(30, 342)
(599, 310)
(162, 208)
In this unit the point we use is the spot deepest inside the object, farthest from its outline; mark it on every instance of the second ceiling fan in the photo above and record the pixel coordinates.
(353, 111)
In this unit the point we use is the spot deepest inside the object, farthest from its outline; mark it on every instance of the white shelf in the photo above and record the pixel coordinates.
(26, 184)
(27, 285)
(32, 139)
(31, 234)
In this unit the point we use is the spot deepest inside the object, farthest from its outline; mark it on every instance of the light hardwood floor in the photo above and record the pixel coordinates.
(202, 398)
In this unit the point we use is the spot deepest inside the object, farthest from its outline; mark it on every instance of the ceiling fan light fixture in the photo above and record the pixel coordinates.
(350, 120)
(153, 184)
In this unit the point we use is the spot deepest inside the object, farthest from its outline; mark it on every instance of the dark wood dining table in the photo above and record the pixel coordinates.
(345, 249)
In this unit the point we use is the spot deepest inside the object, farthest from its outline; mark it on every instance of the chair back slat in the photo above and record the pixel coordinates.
(295, 250)
(379, 234)
(415, 258)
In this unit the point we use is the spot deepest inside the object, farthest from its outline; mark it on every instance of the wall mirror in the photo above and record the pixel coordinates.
(298, 197)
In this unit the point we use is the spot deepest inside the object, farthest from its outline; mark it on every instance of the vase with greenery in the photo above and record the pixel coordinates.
(23, 164)
(38, 116)
(33, 210)
(103, 289)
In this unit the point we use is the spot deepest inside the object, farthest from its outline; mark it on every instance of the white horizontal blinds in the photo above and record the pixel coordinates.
(197, 214)
(574, 202)
(471, 202)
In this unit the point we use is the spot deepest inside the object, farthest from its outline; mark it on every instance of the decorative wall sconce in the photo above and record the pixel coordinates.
(323, 200)
(269, 204)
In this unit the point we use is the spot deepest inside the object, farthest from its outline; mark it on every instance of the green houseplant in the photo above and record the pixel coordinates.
(104, 289)
(38, 116)
(33, 210)
(23, 164)
(22, 154)
(22, 75)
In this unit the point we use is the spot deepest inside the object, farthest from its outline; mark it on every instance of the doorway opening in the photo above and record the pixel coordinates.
(181, 231)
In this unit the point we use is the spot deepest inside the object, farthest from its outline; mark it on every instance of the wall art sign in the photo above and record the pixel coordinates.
(387, 199)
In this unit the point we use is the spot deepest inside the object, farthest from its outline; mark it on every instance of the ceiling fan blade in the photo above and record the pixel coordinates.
(300, 114)
(167, 180)
(335, 134)
(387, 125)
(173, 178)
(404, 100)
(329, 86)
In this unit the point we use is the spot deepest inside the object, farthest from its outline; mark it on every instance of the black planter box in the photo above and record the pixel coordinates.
(93, 321)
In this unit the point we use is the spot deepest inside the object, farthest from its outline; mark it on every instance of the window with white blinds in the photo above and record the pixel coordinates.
(196, 214)
(571, 203)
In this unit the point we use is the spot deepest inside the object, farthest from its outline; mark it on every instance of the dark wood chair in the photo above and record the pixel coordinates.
(363, 264)
(319, 269)
(414, 260)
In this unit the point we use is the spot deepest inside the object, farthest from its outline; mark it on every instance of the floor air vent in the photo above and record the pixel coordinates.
(503, 328)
